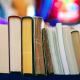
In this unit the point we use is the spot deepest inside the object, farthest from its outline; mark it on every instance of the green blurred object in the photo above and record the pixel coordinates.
(67, 1)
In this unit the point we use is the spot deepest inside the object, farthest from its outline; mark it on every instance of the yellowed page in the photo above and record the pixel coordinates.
(4, 54)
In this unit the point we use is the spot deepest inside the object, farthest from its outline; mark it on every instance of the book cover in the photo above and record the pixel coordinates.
(38, 49)
(47, 52)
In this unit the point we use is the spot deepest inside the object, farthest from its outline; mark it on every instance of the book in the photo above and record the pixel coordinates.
(4, 49)
(47, 52)
(27, 45)
(76, 44)
(62, 49)
(70, 54)
(54, 50)
(14, 29)
(39, 63)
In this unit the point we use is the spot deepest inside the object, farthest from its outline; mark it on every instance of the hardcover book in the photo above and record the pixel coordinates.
(4, 49)
(27, 45)
(38, 48)
(47, 52)
(14, 29)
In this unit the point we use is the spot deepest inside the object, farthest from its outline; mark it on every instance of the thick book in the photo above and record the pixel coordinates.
(47, 52)
(39, 63)
(27, 45)
(4, 49)
(76, 44)
(70, 54)
(14, 29)
(54, 51)
(62, 48)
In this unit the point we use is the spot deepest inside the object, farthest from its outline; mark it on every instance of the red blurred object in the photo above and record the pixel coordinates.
(47, 24)
(54, 10)
(38, 5)
(68, 11)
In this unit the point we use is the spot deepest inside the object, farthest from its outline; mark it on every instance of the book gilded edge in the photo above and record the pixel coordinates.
(32, 46)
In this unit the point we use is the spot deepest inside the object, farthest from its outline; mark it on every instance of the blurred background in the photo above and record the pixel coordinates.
(52, 11)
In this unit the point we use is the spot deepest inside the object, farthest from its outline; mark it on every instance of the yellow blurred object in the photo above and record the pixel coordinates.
(20, 6)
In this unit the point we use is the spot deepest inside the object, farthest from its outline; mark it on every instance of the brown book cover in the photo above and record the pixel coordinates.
(47, 52)
(76, 44)
(38, 50)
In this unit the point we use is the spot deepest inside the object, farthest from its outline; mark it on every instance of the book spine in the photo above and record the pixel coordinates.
(39, 59)
(47, 52)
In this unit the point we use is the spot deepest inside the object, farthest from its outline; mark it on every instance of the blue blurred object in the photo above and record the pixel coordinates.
(73, 7)
(2, 12)
(45, 9)
(53, 22)
(2, 21)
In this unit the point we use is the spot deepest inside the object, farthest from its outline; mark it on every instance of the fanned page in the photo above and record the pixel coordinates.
(70, 50)
(4, 49)
(62, 48)
(54, 51)
(57, 52)
(47, 52)
(76, 44)
(27, 45)
(38, 54)
(15, 43)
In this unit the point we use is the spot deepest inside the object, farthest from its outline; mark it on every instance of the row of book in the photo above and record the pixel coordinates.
(28, 47)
